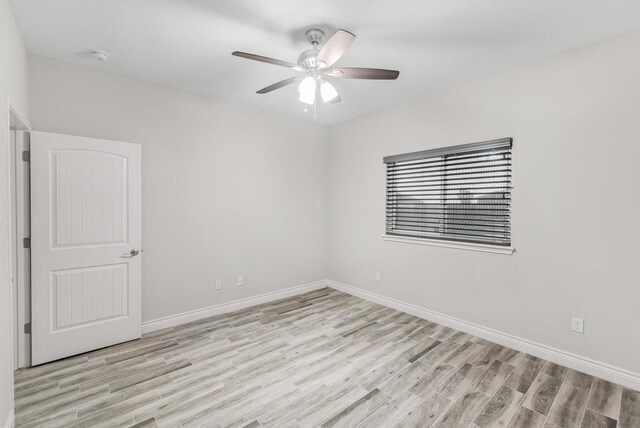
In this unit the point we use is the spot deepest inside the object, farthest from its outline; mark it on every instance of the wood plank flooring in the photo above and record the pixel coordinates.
(324, 358)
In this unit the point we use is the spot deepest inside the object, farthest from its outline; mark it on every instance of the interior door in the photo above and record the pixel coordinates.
(85, 244)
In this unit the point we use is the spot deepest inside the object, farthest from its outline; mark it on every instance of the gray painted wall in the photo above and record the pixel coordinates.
(227, 190)
(13, 86)
(576, 204)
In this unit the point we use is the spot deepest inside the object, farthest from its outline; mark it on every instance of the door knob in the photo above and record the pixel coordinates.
(132, 253)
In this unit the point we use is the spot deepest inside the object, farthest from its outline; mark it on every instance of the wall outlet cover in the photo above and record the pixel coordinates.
(577, 325)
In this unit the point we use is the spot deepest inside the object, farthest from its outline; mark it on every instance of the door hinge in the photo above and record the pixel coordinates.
(27, 328)
(26, 243)
(26, 156)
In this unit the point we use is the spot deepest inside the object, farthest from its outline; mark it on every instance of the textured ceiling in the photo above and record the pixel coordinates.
(187, 44)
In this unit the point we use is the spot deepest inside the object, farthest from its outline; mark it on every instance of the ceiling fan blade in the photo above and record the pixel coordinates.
(264, 59)
(280, 84)
(335, 47)
(365, 73)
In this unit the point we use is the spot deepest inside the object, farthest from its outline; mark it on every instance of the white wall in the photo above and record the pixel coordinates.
(227, 190)
(13, 85)
(575, 121)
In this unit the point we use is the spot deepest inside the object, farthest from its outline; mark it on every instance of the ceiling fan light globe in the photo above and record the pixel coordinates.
(308, 84)
(328, 91)
(307, 90)
(309, 98)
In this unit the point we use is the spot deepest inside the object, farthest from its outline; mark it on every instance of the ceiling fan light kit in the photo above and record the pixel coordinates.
(307, 90)
(328, 91)
(317, 65)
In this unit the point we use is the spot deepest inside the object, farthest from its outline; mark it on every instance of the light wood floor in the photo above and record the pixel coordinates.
(322, 358)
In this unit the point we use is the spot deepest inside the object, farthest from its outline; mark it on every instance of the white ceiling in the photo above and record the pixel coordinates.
(187, 44)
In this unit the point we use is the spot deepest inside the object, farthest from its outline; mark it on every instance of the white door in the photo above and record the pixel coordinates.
(85, 243)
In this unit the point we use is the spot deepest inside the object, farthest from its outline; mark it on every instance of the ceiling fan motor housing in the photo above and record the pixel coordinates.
(308, 59)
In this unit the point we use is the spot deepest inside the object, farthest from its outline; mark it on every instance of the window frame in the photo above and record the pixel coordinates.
(444, 240)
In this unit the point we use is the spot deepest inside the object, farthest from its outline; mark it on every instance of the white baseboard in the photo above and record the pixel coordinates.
(223, 308)
(9, 422)
(567, 359)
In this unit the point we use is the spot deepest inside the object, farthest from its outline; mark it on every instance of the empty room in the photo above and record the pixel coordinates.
(291, 214)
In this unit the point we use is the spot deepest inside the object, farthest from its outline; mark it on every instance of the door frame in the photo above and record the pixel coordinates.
(19, 221)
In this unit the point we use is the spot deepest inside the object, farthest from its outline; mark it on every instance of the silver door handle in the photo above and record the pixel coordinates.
(131, 253)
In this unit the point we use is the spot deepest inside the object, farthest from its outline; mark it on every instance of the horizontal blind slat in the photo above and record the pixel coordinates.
(448, 226)
(479, 169)
(449, 179)
(455, 191)
(434, 230)
(454, 229)
(440, 164)
(451, 174)
(445, 199)
(406, 203)
(469, 185)
(447, 218)
(496, 217)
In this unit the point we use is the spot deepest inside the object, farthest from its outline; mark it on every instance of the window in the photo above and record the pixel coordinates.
(460, 193)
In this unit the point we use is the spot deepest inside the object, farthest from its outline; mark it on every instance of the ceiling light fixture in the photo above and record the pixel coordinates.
(307, 90)
(328, 91)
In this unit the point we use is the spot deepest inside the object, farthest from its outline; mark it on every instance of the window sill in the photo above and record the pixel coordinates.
(495, 249)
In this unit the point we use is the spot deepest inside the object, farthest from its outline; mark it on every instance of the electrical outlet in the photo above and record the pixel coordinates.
(377, 276)
(218, 284)
(577, 325)
(240, 281)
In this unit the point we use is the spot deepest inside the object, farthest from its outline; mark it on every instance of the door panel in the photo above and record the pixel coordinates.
(90, 198)
(85, 196)
(83, 296)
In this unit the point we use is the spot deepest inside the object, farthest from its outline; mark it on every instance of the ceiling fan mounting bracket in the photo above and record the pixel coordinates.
(315, 36)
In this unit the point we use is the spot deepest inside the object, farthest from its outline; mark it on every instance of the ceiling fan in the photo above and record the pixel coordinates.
(317, 65)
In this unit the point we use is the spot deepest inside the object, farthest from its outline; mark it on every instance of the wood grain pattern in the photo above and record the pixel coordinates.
(605, 398)
(526, 418)
(426, 413)
(630, 409)
(499, 409)
(542, 393)
(592, 419)
(323, 358)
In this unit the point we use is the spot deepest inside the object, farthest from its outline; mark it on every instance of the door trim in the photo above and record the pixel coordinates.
(19, 219)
